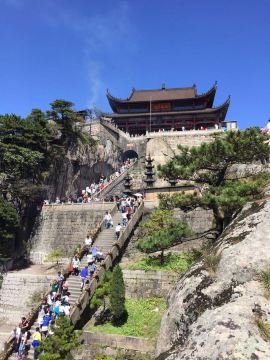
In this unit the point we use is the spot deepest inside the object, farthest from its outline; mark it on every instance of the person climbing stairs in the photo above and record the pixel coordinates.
(103, 242)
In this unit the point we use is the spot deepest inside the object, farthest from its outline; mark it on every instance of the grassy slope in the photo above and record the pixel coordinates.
(144, 318)
(173, 262)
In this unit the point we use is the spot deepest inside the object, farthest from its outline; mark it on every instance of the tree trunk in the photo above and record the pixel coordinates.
(162, 257)
(219, 224)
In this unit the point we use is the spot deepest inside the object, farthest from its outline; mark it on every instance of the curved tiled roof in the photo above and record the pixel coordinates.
(162, 94)
(223, 108)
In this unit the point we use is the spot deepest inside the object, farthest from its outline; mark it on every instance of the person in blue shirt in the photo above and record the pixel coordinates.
(45, 324)
(94, 251)
(92, 269)
(83, 276)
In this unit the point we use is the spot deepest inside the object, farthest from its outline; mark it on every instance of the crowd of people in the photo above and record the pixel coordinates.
(92, 192)
(56, 304)
(93, 256)
(127, 205)
(57, 301)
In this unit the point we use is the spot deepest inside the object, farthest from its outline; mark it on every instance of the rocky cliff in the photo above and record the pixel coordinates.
(82, 165)
(214, 313)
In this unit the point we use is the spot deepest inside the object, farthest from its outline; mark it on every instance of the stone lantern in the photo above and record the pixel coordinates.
(149, 172)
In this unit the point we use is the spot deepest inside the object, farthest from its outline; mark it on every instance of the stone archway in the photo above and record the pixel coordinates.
(129, 154)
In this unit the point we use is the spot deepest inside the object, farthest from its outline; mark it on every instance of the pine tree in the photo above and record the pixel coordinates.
(9, 224)
(117, 297)
(209, 164)
(58, 346)
(162, 232)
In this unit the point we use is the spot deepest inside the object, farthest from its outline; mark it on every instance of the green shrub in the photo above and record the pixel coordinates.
(172, 262)
(102, 292)
(55, 255)
(9, 224)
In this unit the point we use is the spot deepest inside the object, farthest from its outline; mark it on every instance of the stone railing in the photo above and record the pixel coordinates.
(109, 186)
(160, 133)
(106, 264)
(156, 134)
(114, 128)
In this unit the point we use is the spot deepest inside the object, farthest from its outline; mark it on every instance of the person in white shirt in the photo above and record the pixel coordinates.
(107, 220)
(76, 264)
(118, 230)
(88, 242)
(90, 258)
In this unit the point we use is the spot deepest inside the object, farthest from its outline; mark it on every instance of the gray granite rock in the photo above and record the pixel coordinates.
(213, 315)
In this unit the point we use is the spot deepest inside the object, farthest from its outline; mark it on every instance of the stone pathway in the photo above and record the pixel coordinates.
(104, 242)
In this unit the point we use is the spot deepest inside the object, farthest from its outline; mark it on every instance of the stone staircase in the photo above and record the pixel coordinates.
(104, 242)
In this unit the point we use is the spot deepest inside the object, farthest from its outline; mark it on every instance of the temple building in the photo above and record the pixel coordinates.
(167, 109)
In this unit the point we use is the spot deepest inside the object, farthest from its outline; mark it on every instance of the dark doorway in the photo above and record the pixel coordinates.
(129, 154)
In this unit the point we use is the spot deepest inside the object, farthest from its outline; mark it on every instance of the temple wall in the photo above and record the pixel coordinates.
(162, 146)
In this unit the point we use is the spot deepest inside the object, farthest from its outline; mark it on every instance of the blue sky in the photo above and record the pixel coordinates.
(76, 49)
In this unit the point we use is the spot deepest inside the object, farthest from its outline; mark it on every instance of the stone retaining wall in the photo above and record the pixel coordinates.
(199, 219)
(64, 227)
(142, 284)
(118, 341)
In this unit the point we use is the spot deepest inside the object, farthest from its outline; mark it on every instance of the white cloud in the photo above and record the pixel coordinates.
(96, 83)
(106, 36)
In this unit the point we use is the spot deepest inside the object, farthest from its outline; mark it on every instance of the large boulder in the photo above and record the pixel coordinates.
(214, 315)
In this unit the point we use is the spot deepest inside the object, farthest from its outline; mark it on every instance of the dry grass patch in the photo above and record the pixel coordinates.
(211, 262)
(264, 328)
(265, 280)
